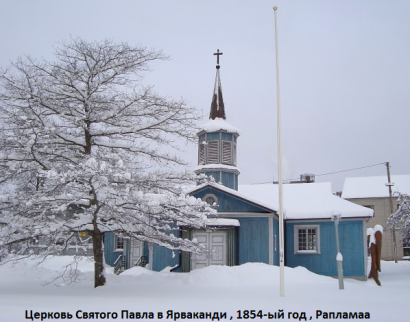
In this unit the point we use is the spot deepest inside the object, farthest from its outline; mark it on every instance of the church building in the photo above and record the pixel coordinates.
(246, 228)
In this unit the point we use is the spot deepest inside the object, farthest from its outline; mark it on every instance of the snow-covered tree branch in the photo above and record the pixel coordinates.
(400, 220)
(79, 137)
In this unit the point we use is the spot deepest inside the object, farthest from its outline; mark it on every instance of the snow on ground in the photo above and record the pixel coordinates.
(29, 285)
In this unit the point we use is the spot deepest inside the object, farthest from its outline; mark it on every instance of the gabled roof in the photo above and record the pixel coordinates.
(375, 186)
(305, 200)
(301, 201)
(231, 192)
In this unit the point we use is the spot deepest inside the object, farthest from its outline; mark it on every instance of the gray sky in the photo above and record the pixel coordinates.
(344, 71)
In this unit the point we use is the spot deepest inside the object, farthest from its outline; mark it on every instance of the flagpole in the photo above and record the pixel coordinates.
(280, 180)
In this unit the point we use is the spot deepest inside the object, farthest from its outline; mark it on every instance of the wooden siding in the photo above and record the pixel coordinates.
(227, 137)
(275, 241)
(213, 136)
(164, 257)
(230, 180)
(215, 174)
(229, 203)
(253, 240)
(109, 252)
(351, 237)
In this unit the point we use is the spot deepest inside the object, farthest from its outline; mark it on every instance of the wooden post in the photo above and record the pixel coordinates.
(389, 184)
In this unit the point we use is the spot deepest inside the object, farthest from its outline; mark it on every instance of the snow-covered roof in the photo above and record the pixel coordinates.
(217, 166)
(375, 186)
(305, 200)
(301, 200)
(230, 191)
(222, 222)
(218, 124)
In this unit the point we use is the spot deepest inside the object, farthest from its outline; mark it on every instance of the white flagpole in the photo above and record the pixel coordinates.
(280, 180)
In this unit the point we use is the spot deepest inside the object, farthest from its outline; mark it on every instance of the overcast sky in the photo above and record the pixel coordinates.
(344, 71)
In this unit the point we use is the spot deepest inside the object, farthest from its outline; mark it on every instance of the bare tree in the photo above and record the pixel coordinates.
(79, 140)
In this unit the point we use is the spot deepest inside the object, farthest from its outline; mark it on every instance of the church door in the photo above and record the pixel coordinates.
(135, 251)
(215, 253)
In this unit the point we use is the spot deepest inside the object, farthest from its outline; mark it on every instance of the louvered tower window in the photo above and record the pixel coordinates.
(213, 152)
(226, 152)
(229, 153)
(201, 157)
(234, 154)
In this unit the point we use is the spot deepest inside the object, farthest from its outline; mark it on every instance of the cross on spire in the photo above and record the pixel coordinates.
(217, 58)
(217, 105)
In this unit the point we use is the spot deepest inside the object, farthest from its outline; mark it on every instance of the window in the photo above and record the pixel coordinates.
(406, 247)
(211, 200)
(226, 152)
(60, 241)
(201, 158)
(119, 242)
(213, 152)
(307, 239)
(229, 153)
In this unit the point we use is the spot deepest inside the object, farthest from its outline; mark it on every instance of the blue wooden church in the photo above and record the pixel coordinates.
(246, 228)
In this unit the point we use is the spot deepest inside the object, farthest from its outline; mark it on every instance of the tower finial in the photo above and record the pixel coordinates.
(217, 105)
(217, 58)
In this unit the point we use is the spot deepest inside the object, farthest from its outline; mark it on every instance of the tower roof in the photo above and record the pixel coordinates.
(217, 105)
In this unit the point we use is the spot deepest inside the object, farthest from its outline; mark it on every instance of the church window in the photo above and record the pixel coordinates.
(213, 152)
(201, 153)
(119, 243)
(406, 247)
(234, 154)
(307, 239)
(229, 153)
(226, 152)
(211, 200)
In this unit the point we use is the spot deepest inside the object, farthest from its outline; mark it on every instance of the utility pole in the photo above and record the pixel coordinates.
(339, 257)
(390, 184)
(280, 180)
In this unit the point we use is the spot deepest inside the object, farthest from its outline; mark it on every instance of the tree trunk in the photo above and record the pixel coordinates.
(99, 274)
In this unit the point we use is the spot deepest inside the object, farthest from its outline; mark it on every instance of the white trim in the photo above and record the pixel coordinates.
(150, 256)
(248, 214)
(222, 222)
(296, 229)
(316, 220)
(116, 248)
(271, 246)
(211, 195)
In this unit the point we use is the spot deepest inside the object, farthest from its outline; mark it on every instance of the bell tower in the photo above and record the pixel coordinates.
(217, 141)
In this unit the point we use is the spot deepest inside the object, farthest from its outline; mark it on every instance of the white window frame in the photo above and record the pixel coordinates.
(215, 198)
(117, 243)
(296, 230)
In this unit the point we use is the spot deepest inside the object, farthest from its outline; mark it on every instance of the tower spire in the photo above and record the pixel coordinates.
(217, 105)
(217, 141)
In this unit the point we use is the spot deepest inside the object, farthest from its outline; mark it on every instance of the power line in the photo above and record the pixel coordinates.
(368, 166)
(335, 172)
